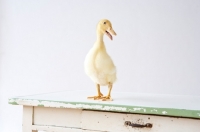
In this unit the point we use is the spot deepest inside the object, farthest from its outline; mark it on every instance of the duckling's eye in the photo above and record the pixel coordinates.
(104, 23)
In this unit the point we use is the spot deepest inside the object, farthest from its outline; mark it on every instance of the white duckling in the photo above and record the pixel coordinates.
(98, 64)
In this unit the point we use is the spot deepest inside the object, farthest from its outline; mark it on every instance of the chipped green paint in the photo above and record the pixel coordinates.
(13, 103)
(41, 105)
(108, 107)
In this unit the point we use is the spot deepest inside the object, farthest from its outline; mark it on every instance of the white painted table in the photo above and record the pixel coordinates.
(71, 112)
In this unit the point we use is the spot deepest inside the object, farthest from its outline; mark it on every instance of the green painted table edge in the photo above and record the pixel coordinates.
(110, 107)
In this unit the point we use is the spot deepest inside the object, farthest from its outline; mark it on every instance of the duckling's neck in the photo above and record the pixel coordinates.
(99, 44)
(99, 37)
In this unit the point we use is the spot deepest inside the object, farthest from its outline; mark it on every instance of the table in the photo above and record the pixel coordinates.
(71, 111)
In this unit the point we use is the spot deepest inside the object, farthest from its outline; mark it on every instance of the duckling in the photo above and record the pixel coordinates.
(98, 64)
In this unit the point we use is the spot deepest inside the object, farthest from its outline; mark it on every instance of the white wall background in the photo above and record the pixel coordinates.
(43, 44)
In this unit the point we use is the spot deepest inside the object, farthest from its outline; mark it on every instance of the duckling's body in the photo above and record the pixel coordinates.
(98, 64)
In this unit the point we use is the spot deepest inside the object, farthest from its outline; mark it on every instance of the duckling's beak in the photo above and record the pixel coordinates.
(109, 32)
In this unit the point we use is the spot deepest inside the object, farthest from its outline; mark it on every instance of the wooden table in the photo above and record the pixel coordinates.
(70, 111)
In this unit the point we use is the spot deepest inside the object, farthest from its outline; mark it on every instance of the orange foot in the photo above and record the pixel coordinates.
(98, 97)
(107, 98)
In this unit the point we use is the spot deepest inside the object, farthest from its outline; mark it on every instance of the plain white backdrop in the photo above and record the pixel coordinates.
(43, 45)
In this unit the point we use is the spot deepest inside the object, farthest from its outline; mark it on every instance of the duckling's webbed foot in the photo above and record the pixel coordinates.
(108, 97)
(98, 97)
(99, 94)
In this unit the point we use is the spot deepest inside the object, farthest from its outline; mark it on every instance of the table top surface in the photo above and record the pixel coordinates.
(141, 103)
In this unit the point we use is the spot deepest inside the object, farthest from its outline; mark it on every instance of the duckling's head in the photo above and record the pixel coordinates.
(105, 27)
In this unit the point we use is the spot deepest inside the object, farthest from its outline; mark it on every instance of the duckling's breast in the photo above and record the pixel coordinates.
(100, 67)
